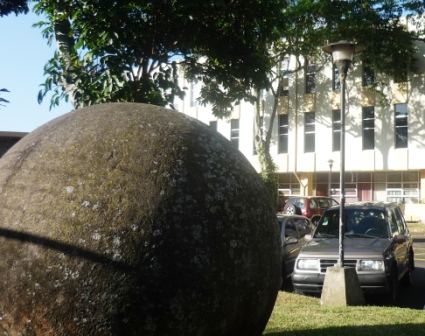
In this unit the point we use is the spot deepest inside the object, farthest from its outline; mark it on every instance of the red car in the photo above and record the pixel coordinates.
(311, 207)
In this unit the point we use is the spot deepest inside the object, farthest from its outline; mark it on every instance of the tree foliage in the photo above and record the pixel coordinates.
(2, 100)
(13, 6)
(129, 50)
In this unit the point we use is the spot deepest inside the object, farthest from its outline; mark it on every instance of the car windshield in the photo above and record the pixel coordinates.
(358, 223)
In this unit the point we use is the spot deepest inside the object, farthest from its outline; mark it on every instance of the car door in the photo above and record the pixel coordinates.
(401, 248)
(292, 243)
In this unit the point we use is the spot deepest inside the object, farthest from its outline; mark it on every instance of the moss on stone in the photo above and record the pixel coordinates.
(121, 219)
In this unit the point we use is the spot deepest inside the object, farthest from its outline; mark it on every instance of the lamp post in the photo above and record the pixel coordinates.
(331, 162)
(341, 286)
(342, 53)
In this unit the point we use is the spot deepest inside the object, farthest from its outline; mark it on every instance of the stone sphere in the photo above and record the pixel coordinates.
(131, 219)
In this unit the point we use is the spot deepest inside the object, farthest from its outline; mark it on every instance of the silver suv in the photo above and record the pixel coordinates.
(377, 244)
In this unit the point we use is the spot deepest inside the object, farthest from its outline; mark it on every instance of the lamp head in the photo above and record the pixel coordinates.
(342, 50)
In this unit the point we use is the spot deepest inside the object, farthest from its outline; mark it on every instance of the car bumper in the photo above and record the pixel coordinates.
(313, 282)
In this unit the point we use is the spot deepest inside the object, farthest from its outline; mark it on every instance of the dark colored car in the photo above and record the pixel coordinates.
(293, 229)
(377, 243)
(311, 207)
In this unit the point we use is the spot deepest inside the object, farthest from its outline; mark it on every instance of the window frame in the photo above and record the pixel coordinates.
(368, 128)
(309, 132)
(283, 134)
(310, 77)
(401, 127)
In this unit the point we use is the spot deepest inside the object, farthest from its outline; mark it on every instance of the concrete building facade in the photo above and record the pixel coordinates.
(385, 132)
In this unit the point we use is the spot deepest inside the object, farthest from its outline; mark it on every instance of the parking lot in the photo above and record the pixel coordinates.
(414, 296)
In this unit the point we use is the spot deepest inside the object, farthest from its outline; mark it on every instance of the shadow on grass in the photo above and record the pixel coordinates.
(412, 297)
(376, 330)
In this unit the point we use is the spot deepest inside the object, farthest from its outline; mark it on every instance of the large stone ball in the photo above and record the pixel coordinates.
(130, 219)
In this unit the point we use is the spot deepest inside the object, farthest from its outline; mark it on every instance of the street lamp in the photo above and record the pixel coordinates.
(341, 286)
(331, 162)
(342, 53)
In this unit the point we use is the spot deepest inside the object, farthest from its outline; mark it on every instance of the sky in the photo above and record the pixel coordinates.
(23, 54)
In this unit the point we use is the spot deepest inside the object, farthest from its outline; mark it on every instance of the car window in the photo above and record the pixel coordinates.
(392, 222)
(322, 203)
(290, 229)
(328, 225)
(313, 204)
(400, 221)
(356, 222)
(303, 226)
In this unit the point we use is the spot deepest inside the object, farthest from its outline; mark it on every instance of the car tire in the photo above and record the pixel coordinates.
(407, 277)
(292, 210)
(394, 294)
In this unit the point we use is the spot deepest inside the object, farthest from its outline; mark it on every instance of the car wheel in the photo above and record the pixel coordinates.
(407, 277)
(292, 210)
(394, 289)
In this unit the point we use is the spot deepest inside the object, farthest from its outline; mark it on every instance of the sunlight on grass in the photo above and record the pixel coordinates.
(302, 315)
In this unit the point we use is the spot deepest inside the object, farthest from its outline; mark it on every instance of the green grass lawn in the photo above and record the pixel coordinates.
(295, 315)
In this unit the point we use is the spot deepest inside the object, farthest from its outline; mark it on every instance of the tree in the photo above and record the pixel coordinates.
(2, 100)
(131, 50)
(13, 6)
(303, 28)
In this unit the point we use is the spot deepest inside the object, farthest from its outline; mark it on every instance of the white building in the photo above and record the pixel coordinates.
(385, 143)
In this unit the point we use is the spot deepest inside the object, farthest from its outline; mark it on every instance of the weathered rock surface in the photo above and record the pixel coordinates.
(130, 219)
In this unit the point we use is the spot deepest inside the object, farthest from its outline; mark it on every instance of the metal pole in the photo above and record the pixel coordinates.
(343, 69)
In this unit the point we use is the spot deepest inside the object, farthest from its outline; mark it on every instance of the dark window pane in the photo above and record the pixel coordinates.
(309, 132)
(369, 139)
(368, 127)
(368, 76)
(401, 125)
(310, 78)
(283, 134)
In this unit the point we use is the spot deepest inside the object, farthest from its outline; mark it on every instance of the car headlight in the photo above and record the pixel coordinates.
(371, 265)
(308, 264)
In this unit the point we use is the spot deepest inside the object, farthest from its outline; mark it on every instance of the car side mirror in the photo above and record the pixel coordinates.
(399, 239)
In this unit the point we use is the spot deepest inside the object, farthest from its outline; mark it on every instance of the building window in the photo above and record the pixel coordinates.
(284, 88)
(402, 187)
(283, 134)
(193, 101)
(336, 130)
(310, 77)
(368, 127)
(336, 83)
(213, 125)
(400, 69)
(401, 125)
(309, 132)
(368, 76)
(234, 132)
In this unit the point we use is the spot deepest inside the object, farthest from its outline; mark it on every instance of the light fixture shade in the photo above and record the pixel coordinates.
(342, 50)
